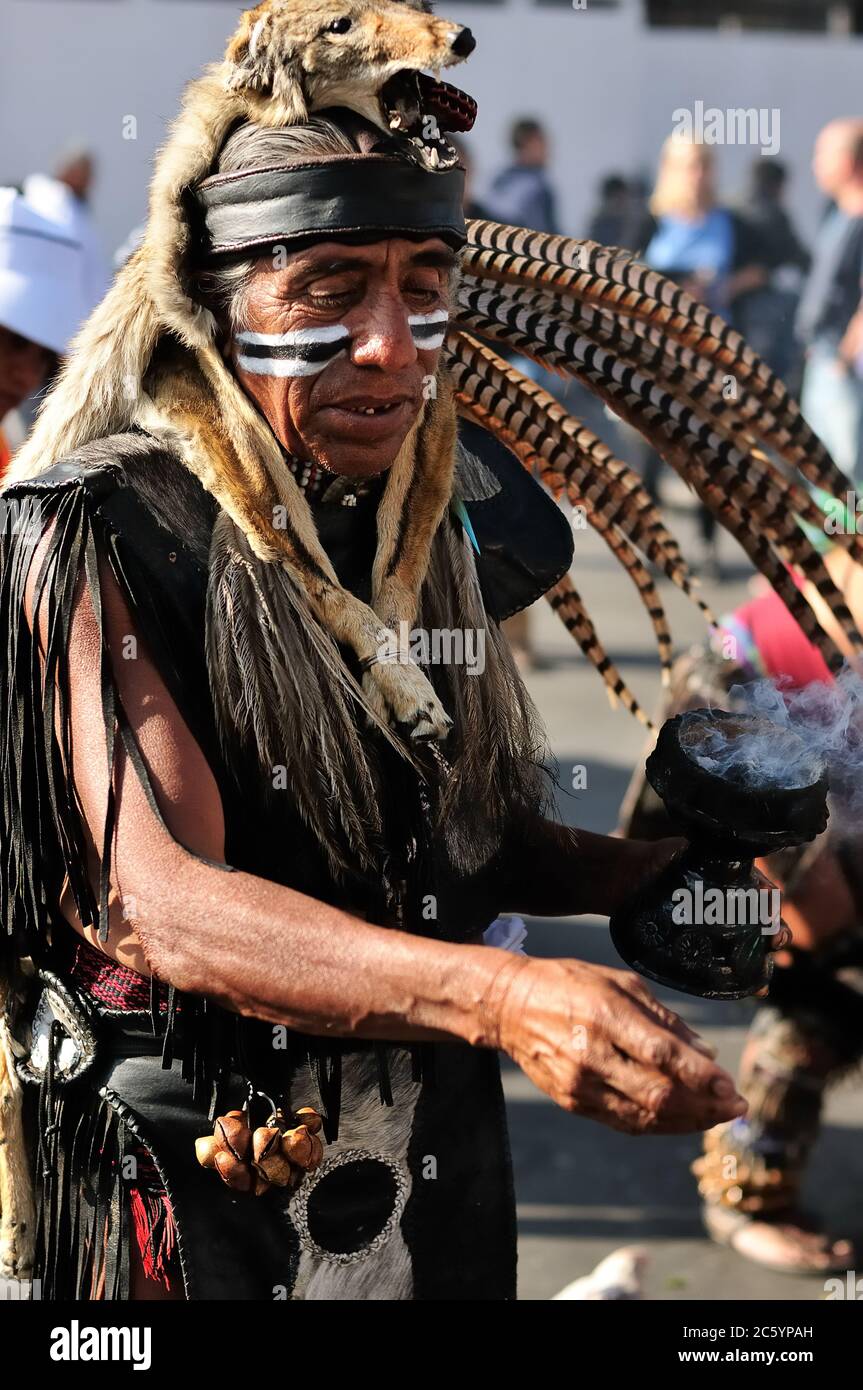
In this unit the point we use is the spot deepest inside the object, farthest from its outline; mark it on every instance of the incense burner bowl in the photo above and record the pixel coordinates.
(737, 786)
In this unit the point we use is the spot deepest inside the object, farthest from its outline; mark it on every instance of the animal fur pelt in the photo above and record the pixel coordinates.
(284, 61)
(17, 1207)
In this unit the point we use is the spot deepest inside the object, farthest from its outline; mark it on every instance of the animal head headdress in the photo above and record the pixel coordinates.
(657, 358)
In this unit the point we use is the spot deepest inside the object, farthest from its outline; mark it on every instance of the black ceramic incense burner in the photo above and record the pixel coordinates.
(737, 786)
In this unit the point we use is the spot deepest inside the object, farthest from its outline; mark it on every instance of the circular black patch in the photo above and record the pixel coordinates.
(351, 1205)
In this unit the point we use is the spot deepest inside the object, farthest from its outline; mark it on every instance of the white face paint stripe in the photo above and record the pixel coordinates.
(307, 351)
(284, 366)
(423, 327)
(331, 333)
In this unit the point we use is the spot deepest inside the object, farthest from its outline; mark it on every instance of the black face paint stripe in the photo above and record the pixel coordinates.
(303, 352)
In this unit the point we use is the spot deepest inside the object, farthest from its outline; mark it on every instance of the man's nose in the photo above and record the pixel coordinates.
(384, 338)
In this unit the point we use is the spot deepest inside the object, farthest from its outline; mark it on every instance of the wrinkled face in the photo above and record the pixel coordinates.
(24, 367)
(339, 348)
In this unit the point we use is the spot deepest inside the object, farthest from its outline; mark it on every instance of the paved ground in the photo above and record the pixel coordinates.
(584, 1190)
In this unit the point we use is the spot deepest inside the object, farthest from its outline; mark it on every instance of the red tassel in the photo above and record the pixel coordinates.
(155, 1232)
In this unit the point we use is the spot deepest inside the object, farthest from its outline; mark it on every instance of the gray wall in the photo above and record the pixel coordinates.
(72, 71)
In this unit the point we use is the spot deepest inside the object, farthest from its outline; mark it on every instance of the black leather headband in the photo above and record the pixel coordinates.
(350, 195)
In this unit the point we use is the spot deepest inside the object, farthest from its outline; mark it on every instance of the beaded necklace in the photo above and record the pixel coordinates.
(319, 483)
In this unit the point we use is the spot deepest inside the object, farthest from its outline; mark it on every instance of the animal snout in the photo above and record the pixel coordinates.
(463, 44)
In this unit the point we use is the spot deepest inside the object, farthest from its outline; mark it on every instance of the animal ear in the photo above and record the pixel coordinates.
(247, 41)
(248, 54)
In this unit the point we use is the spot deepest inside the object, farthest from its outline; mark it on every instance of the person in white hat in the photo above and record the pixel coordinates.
(42, 301)
(64, 198)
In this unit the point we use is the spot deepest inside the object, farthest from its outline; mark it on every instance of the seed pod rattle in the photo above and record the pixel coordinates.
(276, 1154)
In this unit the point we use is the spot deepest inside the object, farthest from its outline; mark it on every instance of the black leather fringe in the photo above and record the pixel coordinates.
(42, 828)
(42, 832)
(84, 1231)
(82, 1216)
(42, 835)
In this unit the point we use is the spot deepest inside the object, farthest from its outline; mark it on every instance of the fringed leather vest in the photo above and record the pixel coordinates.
(408, 1203)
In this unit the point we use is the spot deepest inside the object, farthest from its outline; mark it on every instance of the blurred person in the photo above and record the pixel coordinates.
(472, 206)
(705, 247)
(830, 316)
(620, 217)
(608, 223)
(763, 206)
(709, 251)
(807, 1036)
(640, 190)
(41, 302)
(64, 197)
(521, 194)
(765, 315)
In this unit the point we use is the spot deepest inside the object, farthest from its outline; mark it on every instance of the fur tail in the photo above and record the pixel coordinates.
(17, 1216)
(99, 389)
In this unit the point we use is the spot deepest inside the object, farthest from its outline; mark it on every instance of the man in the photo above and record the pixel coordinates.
(229, 847)
(620, 217)
(765, 314)
(830, 316)
(41, 302)
(808, 1036)
(522, 194)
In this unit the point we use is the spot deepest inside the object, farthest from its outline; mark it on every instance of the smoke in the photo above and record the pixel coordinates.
(822, 727)
(769, 759)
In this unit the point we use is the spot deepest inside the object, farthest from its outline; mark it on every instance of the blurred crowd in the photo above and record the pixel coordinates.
(799, 307)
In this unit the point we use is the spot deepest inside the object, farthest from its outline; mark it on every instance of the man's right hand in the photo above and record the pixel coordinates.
(598, 1042)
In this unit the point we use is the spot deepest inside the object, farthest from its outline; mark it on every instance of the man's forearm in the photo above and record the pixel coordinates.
(559, 871)
(267, 951)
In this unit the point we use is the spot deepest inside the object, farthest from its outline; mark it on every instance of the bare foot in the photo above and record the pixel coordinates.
(792, 1245)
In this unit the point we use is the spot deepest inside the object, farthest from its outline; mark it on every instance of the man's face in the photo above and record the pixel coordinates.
(354, 302)
(24, 367)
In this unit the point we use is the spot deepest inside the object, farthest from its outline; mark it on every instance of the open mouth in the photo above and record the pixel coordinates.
(373, 409)
(381, 408)
(408, 100)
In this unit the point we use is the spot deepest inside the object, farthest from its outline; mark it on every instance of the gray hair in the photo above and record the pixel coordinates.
(252, 146)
